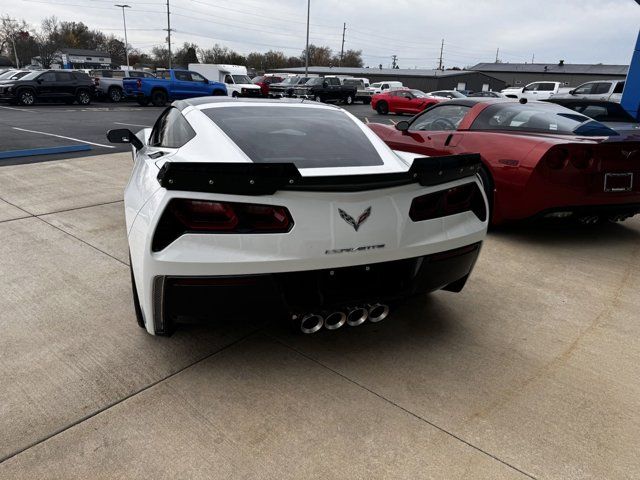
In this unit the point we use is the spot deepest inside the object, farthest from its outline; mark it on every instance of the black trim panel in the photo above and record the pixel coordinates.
(268, 178)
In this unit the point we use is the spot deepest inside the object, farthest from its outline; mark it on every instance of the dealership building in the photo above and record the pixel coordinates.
(81, 58)
(425, 80)
(569, 74)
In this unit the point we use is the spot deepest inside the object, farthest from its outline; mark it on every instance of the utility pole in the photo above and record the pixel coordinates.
(126, 42)
(169, 32)
(306, 50)
(13, 41)
(441, 50)
(533, 57)
(497, 53)
(344, 29)
(394, 59)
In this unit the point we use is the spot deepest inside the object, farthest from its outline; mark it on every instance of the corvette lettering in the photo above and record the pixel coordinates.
(354, 249)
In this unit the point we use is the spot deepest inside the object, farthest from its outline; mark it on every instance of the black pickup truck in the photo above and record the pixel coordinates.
(326, 89)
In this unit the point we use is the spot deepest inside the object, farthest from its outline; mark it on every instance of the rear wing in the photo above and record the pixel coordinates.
(268, 178)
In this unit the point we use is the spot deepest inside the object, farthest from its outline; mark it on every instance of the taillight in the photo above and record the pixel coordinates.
(556, 158)
(582, 158)
(139, 83)
(96, 82)
(202, 216)
(449, 202)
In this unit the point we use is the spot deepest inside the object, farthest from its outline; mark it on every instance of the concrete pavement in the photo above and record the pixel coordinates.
(531, 372)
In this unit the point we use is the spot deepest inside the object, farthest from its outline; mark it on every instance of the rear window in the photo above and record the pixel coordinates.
(548, 118)
(307, 137)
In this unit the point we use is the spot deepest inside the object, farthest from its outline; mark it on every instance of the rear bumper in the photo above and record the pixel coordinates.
(314, 290)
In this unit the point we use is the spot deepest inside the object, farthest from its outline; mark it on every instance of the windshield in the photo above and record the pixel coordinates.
(257, 79)
(376, 85)
(602, 112)
(7, 74)
(241, 79)
(419, 93)
(32, 75)
(290, 81)
(315, 81)
(308, 137)
(548, 118)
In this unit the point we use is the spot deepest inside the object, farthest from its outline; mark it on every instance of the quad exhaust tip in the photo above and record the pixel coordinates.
(313, 322)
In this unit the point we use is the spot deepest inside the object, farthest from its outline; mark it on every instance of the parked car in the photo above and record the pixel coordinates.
(536, 90)
(233, 76)
(286, 87)
(607, 90)
(539, 159)
(447, 94)
(171, 85)
(402, 101)
(363, 94)
(265, 81)
(13, 75)
(326, 89)
(109, 82)
(610, 114)
(49, 85)
(226, 206)
(487, 95)
(380, 87)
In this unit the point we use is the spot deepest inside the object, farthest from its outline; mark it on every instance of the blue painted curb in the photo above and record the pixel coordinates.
(43, 151)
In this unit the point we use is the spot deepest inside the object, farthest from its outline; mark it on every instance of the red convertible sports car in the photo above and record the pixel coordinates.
(539, 159)
(403, 101)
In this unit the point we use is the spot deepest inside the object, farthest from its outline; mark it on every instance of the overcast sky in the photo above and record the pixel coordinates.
(578, 31)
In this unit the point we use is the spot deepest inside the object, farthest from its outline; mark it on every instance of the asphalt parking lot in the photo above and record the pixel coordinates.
(53, 125)
(531, 372)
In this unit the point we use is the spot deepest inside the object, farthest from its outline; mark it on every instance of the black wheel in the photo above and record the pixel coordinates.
(115, 94)
(348, 99)
(218, 93)
(488, 185)
(26, 97)
(159, 98)
(382, 108)
(318, 98)
(83, 97)
(366, 101)
(235, 94)
(142, 101)
(136, 300)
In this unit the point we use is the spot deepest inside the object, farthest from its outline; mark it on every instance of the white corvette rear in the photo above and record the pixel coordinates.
(290, 206)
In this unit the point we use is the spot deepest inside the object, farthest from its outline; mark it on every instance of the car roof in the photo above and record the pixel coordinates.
(203, 102)
(579, 101)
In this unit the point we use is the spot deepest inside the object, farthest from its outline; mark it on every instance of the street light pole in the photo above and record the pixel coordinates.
(306, 50)
(126, 42)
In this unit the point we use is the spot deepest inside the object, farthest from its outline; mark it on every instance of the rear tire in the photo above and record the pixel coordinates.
(159, 98)
(218, 93)
(235, 94)
(83, 97)
(136, 300)
(318, 98)
(348, 99)
(382, 108)
(115, 94)
(488, 185)
(26, 98)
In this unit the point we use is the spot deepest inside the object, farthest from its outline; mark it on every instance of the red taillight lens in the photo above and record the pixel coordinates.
(96, 82)
(556, 158)
(449, 202)
(202, 216)
(139, 83)
(581, 158)
(207, 216)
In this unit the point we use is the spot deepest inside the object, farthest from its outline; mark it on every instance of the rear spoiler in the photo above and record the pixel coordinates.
(268, 178)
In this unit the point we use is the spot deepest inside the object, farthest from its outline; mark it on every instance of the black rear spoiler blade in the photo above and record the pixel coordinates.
(268, 178)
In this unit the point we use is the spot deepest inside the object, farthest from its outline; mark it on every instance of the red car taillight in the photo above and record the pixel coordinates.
(579, 156)
(556, 158)
(203, 216)
(449, 202)
(139, 83)
(96, 82)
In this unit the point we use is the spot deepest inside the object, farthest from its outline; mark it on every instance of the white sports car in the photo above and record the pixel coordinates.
(293, 207)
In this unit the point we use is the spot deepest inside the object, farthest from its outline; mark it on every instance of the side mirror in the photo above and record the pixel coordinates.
(39, 80)
(124, 135)
(402, 126)
(572, 92)
(206, 81)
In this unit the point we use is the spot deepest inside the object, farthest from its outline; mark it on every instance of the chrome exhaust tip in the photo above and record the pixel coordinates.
(311, 323)
(378, 312)
(335, 320)
(357, 316)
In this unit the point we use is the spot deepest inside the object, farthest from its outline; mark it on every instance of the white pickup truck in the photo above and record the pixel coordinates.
(605, 90)
(536, 91)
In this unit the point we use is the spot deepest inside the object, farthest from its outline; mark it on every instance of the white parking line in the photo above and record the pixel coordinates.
(132, 125)
(66, 138)
(366, 120)
(392, 122)
(19, 109)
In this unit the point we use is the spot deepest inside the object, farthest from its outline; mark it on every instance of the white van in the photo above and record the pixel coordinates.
(234, 76)
(380, 87)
